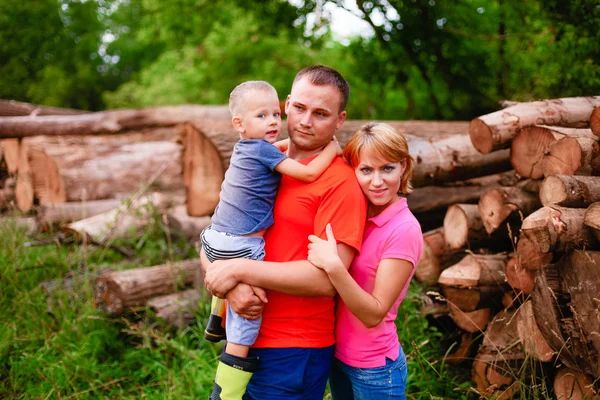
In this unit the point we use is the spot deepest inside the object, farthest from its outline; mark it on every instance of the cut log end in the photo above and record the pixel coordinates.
(482, 136)
(456, 227)
(564, 157)
(595, 121)
(495, 209)
(528, 149)
(553, 191)
(518, 277)
(570, 384)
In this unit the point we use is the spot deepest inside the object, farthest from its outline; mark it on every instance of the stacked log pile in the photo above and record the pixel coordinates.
(510, 206)
(530, 284)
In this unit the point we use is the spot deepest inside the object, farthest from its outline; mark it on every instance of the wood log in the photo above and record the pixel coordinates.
(433, 197)
(570, 191)
(436, 256)
(551, 150)
(24, 188)
(463, 351)
(48, 185)
(573, 156)
(494, 131)
(470, 321)
(476, 270)
(498, 358)
(179, 308)
(11, 154)
(190, 227)
(116, 291)
(463, 226)
(27, 224)
(68, 212)
(7, 193)
(122, 221)
(519, 278)
(471, 299)
(530, 336)
(595, 121)
(549, 230)
(565, 306)
(15, 108)
(571, 384)
(512, 300)
(591, 219)
(506, 204)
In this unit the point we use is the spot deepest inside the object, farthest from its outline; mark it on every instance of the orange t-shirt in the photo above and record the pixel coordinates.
(302, 209)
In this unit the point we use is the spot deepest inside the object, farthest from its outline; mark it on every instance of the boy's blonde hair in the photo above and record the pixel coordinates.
(385, 143)
(239, 95)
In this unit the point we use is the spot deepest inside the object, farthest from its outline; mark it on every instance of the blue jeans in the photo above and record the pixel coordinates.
(290, 374)
(387, 382)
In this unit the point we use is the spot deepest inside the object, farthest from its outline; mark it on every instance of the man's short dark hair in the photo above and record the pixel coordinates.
(320, 75)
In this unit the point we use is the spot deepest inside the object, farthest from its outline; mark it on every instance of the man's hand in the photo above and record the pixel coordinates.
(219, 277)
(247, 301)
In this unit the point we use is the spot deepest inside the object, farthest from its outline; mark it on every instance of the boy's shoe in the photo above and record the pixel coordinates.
(233, 375)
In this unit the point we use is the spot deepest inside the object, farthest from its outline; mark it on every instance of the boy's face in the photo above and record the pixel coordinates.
(260, 117)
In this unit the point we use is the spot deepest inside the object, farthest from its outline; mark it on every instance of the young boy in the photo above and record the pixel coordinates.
(245, 211)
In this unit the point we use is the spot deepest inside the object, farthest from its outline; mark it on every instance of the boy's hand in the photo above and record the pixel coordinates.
(282, 145)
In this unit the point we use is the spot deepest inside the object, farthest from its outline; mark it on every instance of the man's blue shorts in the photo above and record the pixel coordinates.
(290, 374)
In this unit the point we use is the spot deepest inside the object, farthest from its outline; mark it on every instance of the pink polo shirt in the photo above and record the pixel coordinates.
(395, 233)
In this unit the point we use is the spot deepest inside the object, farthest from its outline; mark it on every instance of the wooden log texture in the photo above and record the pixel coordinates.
(116, 291)
(436, 256)
(7, 193)
(506, 204)
(570, 191)
(13, 108)
(595, 121)
(549, 150)
(530, 336)
(68, 212)
(179, 308)
(48, 185)
(463, 350)
(571, 384)
(463, 227)
(591, 219)
(573, 156)
(549, 230)
(471, 299)
(24, 189)
(566, 309)
(494, 131)
(476, 270)
(470, 321)
(519, 278)
(10, 152)
(123, 221)
(190, 227)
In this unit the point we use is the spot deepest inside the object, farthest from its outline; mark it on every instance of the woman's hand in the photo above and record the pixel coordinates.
(323, 253)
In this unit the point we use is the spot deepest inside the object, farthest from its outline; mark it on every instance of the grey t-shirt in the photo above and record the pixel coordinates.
(249, 189)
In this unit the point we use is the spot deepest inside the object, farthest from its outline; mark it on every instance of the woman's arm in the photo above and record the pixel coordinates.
(369, 308)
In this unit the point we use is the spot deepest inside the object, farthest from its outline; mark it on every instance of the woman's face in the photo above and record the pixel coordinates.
(379, 179)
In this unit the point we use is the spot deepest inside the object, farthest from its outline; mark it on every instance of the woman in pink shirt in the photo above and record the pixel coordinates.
(370, 363)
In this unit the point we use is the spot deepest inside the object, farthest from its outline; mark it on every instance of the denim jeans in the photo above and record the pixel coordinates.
(386, 382)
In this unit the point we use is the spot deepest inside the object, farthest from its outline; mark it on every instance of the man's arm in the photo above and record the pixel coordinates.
(299, 278)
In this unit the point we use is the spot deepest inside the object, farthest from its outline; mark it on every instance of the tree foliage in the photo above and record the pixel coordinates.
(426, 59)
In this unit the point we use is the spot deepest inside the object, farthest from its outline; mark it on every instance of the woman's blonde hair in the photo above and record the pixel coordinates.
(384, 143)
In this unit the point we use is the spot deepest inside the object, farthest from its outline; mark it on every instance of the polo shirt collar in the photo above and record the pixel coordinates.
(389, 212)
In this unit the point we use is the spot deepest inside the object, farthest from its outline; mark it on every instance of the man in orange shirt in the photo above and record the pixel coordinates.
(295, 344)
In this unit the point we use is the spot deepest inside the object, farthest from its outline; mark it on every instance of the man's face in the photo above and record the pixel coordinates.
(313, 114)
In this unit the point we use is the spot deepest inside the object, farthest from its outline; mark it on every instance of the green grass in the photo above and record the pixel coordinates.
(59, 346)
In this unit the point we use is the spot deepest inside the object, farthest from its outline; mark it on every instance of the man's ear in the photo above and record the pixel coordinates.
(341, 119)
(287, 105)
(237, 124)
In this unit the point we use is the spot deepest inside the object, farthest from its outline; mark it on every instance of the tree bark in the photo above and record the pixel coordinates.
(506, 204)
(13, 108)
(595, 121)
(430, 198)
(572, 384)
(551, 229)
(178, 308)
(570, 191)
(116, 291)
(463, 226)
(494, 131)
(565, 305)
(188, 226)
(591, 219)
(530, 336)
